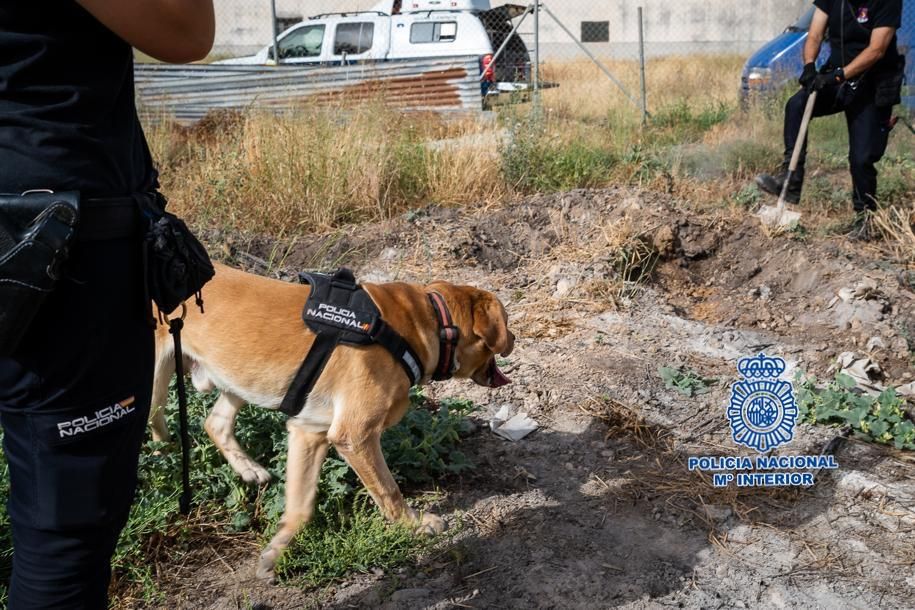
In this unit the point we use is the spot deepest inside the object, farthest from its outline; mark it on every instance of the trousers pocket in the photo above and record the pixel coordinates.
(84, 465)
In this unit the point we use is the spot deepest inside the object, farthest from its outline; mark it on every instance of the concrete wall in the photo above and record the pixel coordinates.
(671, 26)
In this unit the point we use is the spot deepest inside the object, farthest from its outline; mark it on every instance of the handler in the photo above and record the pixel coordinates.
(862, 78)
(74, 396)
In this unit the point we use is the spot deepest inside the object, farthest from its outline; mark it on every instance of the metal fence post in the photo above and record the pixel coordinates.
(276, 49)
(642, 69)
(536, 68)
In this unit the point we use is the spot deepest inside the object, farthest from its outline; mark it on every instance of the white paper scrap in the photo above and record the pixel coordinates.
(512, 428)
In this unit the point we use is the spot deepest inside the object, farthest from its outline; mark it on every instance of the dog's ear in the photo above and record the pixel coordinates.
(490, 323)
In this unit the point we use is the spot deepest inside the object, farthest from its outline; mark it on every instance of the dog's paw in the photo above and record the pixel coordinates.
(250, 471)
(430, 524)
(255, 475)
(266, 566)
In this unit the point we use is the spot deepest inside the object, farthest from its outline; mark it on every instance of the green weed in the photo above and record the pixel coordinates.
(535, 162)
(349, 539)
(347, 533)
(682, 122)
(748, 196)
(881, 419)
(685, 382)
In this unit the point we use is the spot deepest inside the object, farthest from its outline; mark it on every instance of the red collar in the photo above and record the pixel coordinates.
(448, 335)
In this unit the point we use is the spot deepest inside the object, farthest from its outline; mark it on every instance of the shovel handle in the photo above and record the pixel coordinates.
(798, 147)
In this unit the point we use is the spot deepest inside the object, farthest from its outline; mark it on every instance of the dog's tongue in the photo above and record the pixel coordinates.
(497, 377)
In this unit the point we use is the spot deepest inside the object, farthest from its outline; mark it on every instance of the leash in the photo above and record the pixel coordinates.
(174, 328)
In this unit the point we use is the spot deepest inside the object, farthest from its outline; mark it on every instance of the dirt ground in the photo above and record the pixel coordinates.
(597, 509)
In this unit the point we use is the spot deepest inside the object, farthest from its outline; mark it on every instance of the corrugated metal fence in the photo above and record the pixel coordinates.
(186, 93)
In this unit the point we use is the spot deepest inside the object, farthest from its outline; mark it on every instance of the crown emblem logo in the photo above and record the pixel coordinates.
(762, 411)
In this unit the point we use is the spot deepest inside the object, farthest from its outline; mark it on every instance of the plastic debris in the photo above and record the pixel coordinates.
(862, 369)
(512, 428)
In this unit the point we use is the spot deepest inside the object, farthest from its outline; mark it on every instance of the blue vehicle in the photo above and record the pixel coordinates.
(779, 62)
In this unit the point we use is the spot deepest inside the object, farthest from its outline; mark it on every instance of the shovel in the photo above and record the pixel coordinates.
(777, 217)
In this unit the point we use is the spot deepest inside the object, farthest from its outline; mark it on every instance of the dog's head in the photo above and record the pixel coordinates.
(483, 325)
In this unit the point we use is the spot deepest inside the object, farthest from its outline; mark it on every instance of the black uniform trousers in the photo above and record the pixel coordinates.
(74, 402)
(868, 134)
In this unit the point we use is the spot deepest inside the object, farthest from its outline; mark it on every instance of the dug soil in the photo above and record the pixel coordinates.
(597, 508)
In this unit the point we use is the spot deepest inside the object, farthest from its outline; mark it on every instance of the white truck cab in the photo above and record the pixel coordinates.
(396, 30)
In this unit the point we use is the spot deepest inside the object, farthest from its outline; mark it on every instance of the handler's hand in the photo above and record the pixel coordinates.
(808, 76)
(831, 77)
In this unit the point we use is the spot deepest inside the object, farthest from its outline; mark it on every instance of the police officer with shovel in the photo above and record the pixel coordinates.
(863, 79)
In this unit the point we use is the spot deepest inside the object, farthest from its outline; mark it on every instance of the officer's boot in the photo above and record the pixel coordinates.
(772, 184)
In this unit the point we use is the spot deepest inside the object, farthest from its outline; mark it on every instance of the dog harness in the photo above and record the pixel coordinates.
(339, 310)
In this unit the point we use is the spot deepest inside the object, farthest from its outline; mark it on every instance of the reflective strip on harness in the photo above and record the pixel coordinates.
(338, 310)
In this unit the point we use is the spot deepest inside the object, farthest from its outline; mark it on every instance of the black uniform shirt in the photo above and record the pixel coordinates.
(850, 26)
(67, 115)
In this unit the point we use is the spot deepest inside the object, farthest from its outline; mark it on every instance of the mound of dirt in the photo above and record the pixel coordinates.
(597, 509)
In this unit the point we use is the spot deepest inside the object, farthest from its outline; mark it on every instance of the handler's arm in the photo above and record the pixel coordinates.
(815, 35)
(879, 43)
(175, 31)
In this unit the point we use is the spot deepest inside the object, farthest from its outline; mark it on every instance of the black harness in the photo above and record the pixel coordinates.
(340, 311)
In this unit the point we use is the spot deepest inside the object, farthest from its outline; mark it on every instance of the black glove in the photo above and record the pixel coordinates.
(830, 77)
(808, 76)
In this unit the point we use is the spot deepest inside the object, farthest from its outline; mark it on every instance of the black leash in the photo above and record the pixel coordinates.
(184, 503)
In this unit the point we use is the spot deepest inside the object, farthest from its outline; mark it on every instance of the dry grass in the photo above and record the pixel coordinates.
(654, 463)
(317, 169)
(585, 92)
(897, 224)
(320, 169)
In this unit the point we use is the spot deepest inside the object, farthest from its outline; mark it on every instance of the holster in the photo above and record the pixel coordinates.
(36, 231)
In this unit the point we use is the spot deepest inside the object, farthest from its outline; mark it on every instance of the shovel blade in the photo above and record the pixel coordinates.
(775, 217)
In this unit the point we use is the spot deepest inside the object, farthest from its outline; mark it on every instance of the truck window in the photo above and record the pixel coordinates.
(354, 38)
(303, 42)
(433, 31)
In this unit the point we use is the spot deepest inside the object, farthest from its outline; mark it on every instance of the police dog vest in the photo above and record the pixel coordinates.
(340, 311)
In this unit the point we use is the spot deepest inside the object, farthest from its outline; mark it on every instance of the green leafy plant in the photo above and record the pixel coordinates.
(881, 419)
(353, 538)
(686, 382)
(347, 533)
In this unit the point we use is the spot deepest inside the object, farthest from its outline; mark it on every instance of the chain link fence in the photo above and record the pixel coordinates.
(594, 58)
(591, 50)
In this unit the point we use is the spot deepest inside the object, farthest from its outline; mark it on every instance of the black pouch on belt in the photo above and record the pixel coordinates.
(177, 264)
(36, 230)
(889, 85)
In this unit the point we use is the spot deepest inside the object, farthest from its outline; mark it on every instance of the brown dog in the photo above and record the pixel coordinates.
(249, 345)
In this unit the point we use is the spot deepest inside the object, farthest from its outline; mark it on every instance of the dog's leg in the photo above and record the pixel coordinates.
(220, 425)
(165, 368)
(362, 451)
(303, 466)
